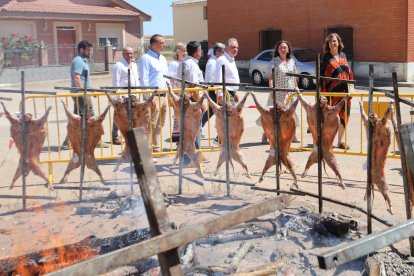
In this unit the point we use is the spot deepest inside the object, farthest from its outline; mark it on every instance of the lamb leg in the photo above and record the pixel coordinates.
(91, 164)
(35, 167)
(71, 166)
(287, 162)
(17, 174)
(222, 159)
(330, 159)
(271, 160)
(238, 156)
(313, 158)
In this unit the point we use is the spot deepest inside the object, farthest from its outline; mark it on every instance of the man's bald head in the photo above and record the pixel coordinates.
(128, 54)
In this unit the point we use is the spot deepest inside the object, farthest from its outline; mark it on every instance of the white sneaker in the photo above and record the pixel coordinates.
(154, 160)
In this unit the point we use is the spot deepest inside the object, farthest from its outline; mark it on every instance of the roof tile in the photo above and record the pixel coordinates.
(66, 8)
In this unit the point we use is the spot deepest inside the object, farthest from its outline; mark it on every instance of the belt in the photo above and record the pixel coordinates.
(162, 95)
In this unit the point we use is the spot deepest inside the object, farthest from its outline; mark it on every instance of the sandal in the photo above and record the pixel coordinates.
(344, 146)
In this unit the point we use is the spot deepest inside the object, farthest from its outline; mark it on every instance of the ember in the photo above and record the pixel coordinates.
(49, 260)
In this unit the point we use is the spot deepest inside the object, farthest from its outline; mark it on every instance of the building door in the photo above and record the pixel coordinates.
(66, 43)
(269, 38)
(347, 36)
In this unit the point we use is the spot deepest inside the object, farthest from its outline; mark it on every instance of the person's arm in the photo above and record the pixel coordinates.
(78, 70)
(144, 68)
(77, 80)
(116, 75)
(295, 80)
(269, 69)
(208, 71)
(217, 77)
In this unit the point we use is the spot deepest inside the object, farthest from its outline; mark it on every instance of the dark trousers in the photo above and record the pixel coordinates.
(114, 130)
(210, 113)
(77, 109)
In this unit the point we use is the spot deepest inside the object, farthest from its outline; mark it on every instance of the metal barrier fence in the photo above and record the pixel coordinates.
(379, 107)
(55, 152)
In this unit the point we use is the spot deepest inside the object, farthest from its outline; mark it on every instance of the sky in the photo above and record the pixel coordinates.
(161, 15)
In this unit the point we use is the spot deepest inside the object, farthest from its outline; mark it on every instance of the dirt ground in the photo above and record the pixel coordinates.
(57, 217)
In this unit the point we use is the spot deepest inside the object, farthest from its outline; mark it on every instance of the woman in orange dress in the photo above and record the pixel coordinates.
(335, 65)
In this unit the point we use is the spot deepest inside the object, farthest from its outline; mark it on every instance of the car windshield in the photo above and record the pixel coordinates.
(305, 55)
(266, 56)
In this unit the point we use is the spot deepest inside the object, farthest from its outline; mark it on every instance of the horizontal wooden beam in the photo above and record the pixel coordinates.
(173, 239)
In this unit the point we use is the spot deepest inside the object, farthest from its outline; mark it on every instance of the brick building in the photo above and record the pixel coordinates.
(379, 32)
(61, 24)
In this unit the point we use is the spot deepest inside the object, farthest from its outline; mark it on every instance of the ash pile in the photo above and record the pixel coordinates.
(282, 245)
(388, 263)
(114, 206)
(268, 246)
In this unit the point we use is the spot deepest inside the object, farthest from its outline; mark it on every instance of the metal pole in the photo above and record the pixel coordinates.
(369, 151)
(130, 127)
(404, 167)
(276, 131)
(182, 122)
(83, 132)
(24, 145)
(226, 130)
(319, 122)
(362, 247)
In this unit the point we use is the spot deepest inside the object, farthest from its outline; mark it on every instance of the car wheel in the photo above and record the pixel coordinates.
(257, 78)
(305, 83)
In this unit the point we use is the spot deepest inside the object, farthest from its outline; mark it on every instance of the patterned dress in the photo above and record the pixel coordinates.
(281, 81)
(337, 69)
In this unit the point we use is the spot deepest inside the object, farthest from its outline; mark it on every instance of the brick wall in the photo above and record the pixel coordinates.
(382, 29)
(410, 31)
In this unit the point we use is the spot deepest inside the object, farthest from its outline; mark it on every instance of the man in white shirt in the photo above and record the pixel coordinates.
(195, 75)
(120, 79)
(210, 68)
(152, 68)
(210, 52)
(231, 72)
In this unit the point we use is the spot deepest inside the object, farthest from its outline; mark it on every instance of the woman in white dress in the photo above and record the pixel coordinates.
(283, 63)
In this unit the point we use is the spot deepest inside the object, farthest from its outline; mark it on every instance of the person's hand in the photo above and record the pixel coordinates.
(297, 89)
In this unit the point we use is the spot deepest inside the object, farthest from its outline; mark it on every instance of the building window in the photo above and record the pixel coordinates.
(112, 40)
(205, 12)
(347, 36)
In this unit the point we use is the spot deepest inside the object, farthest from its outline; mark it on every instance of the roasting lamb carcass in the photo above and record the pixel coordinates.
(35, 137)
(192, 119)
(140, 118)
(287, 127)
(381, 141)
(236, 128)
(94, 131)
(330, 126)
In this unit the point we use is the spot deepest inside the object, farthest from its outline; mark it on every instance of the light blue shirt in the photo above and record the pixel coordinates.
(80, 65)
(152, 68)
(210, 68)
